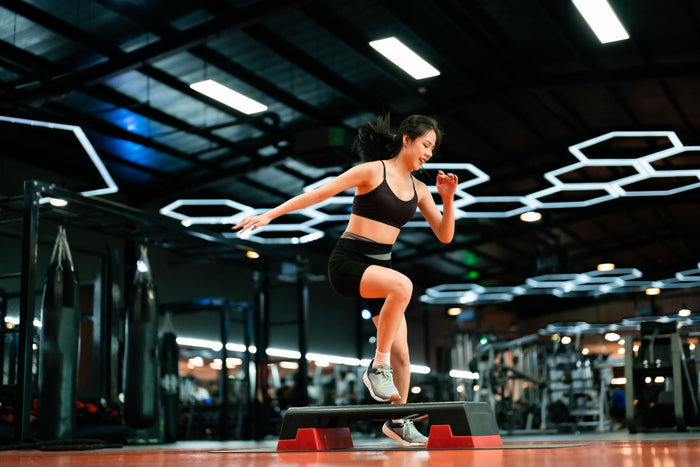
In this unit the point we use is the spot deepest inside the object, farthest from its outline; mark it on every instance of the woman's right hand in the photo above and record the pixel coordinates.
(252, 223)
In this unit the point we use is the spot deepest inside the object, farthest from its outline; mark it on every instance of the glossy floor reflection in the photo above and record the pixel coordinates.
(600, 450)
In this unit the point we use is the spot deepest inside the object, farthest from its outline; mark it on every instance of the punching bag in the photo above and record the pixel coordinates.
(169, 379)
(108, 321)
(141, 373)
(60, 339)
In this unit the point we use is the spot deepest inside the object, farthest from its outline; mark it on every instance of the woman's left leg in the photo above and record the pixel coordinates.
(402, 430)
(400, 360)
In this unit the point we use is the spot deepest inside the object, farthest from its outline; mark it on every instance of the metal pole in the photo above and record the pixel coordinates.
(247, 341)
(359, 335)
(303, 316)
(223, 373)
(30, 239)
(260, 284)
(629, 385)
(3, 339)
(427, 336)
(100, 346)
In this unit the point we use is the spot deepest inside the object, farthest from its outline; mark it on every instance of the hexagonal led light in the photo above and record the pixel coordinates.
(532, 201)
(335, 200)
(576, 149)
(691, 185)
(310, 235)
(171, 211)
(84, 142)
(608, 191)
(591, 283)
(689, 275)
(551, 281)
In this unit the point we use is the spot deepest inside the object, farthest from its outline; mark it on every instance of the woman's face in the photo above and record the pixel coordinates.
(421, 148)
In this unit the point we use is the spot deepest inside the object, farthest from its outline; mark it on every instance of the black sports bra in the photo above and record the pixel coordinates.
(382, 205)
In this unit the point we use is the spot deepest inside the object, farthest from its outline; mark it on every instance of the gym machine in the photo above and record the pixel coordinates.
(661, 386)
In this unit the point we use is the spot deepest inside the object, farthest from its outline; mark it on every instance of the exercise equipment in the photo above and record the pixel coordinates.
(108, 319)
(662, 379)
(60, 337)
(229, 413)
(511, 380)
(141, 372)
(453, 425)
(572, 399)
(169, 379)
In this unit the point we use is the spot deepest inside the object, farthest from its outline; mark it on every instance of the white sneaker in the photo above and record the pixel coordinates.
(380, 382)
(404, 432)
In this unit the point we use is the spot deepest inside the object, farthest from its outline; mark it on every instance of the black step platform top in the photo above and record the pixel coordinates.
(464, 418)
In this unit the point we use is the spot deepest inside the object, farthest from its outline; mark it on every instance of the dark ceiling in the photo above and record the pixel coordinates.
(521, 82)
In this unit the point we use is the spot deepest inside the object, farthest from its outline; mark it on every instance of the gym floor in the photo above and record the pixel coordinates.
(618, 449)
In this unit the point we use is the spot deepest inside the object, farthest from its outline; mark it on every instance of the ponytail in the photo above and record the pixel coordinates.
(375, 142)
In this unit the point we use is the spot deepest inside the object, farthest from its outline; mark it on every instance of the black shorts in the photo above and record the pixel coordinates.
(348, 262)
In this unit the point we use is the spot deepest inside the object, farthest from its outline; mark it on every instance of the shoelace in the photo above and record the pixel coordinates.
(407, 430)
(385, 371)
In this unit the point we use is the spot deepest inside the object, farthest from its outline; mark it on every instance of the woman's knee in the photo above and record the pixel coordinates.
(402, 287)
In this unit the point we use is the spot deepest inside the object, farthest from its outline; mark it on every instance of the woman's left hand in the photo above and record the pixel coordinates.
(446, 184)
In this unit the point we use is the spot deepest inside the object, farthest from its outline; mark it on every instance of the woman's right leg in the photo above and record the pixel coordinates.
(396, 289)
(391, 326)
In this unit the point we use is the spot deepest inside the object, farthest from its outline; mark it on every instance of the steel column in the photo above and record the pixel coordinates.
(30, 242)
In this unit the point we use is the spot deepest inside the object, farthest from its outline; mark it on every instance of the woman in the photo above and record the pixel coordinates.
(386, 197)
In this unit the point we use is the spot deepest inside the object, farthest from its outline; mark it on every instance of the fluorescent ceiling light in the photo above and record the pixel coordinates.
(404, 58)
(602, 19)
(228, 96)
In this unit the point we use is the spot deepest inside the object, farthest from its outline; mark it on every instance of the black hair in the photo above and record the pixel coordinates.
(375, 142)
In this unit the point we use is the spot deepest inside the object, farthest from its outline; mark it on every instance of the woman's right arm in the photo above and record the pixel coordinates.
(354, 177)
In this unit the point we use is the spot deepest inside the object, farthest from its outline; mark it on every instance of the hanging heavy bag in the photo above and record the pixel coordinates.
(108, 325)
(141, 373)
(60, 340)
(169, 379)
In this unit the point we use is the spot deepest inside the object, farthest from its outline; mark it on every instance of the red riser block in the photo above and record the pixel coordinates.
(316, 439)
(441, 437)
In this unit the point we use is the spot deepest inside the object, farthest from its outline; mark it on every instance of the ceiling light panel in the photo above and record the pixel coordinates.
(601, 18)
(405, 58)
(228, 96)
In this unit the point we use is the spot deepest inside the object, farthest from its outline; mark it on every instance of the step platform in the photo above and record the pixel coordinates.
(452, 425)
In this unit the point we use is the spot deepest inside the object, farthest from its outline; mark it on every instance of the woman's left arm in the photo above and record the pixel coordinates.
(443, 224)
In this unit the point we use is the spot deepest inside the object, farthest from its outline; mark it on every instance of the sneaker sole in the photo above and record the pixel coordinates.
(391, 434)
(365, 379)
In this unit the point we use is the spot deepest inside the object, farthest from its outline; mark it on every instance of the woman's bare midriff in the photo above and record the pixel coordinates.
(374, 230)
